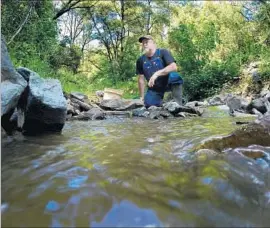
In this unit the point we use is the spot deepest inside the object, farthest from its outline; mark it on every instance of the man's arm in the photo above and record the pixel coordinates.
(165, 71)
(141, 85)
(168, 69)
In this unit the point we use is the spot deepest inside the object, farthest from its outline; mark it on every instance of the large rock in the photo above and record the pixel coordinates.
(236, 103)
(155, 112)
(253, 72)
(258, 104)
(12, 86)
(44, 107)
(92, 114)
(216, 100)
(120, 104)
(79, 96)
(266, 94)
(257, 132)
(175, 108)
(194, 104)
(140, 112)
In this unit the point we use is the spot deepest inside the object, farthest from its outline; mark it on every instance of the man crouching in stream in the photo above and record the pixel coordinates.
(158, 67)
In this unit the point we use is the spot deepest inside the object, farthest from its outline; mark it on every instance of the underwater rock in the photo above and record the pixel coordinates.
(257, 132)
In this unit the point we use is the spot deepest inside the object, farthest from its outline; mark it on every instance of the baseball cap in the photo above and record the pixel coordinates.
(148, 37)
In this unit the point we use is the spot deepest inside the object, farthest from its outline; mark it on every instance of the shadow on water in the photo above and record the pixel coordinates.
(131, 172)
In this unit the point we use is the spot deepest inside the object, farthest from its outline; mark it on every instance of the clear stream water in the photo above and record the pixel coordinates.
(132, 172)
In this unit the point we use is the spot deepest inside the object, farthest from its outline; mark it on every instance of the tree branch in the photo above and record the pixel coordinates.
(244, 15)
(68, 7)
(95, 65)
(21, 26)
(78, 28)
(103, 40)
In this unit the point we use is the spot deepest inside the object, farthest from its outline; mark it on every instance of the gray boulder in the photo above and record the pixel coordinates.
(79, 96)
(267, 95)
(216, 100)
(172, 107)
(155, 114)
(44, 108)
(175, 108)
(12, 86)
(258, 104)
(236, 103)
(256, 76)
(92, 114)
(255, 133)
(121, 104)
(194, 104)
(140, 112)
(264, 93)
(165, 114)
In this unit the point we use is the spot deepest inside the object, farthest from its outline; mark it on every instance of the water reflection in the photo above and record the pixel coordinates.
(127, 214)
(132, 173)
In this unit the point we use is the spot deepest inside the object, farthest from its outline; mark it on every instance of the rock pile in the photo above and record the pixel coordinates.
(81, 108)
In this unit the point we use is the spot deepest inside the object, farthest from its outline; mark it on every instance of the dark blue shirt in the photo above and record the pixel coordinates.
(145, 62)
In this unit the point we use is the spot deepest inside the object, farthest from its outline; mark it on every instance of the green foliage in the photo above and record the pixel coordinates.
(69, 81)
(35, 64)
(37, 36)
(211, 42)
(119, 74)
(263, 19)
(209, 79)
(192, 47)
(211, 49)
(73, 82)
(181, 40)
(69, 57)
(265, 64)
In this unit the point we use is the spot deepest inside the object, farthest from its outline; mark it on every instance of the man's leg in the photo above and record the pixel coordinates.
(175, 83)
(153, 98)
(177, 92)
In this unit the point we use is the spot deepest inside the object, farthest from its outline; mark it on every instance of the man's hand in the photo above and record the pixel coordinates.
(165, 71)
(152, 80)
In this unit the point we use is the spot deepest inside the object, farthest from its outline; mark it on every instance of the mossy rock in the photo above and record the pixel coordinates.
(257, 133)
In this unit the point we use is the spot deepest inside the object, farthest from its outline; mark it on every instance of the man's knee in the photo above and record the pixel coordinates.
(152, 102)
(175, 78)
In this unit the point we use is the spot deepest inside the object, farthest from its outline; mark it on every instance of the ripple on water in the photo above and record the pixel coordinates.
(217, 216)
(127, 173)
(146, 151)
(37, 191)
(267, 197)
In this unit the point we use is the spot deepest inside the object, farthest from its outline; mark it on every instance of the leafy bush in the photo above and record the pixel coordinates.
(69, 57)
(265, 65)
(208, 80)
